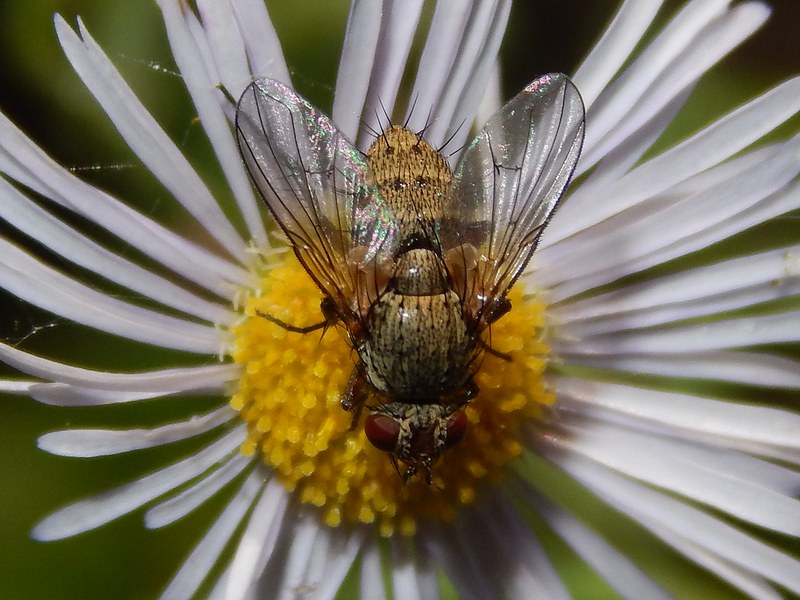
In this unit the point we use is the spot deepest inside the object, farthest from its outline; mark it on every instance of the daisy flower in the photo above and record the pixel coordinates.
(637, 380)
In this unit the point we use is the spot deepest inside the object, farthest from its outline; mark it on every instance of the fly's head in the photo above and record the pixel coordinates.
(415, 434)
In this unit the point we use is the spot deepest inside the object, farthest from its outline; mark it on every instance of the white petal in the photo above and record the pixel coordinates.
(652, 81)
(633, 18)
(160, 382)
(641, 232)
(674, 465)
(145, 137)
(712, 44)
(524, 566)
(62, 394)
(206, 554)
(617, 569)
(205, 97)
(204, 51)
(31, 280)
(371, 584)
(455, 69)
(624, 156)
(469, 75)
(21, 212)
(778, 204)
(220, 589)
(453, 548)
(717, 335)
(293, 569)
(226, 43)
(742, 578)
(261, 42)
(25, 162)
(399, 25)
(96, 511)
(16, 386)
(702, 151)
(192, 497)
(330, 573)
(492, 97)
(355, 65)
(412, 576)
(443, 41)
(787, 454)
(623, 94)
(708, 532)
(84, 443)
(711, 418)
(748, 368)
(509, 557)
(664, 315)
(427, 574)
(308, 556)
(618, 162)
(758, 277)
(258, 540)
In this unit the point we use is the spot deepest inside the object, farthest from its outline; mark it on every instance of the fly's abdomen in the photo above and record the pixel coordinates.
(418, 347)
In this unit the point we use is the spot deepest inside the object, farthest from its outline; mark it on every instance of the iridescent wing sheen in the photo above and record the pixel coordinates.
(507, 186)
(315, 183)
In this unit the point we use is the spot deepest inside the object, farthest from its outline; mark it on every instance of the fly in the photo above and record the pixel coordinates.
(413, 259)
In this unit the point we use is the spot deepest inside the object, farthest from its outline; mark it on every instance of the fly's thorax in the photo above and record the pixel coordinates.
(412, 177)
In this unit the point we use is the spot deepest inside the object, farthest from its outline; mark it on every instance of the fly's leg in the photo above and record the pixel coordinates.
(501, 355)
(492, 313)
(496, 309)
(355, 394)
(328, 311)
(292, 328)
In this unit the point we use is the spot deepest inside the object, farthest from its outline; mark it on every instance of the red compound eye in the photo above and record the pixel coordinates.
(456, 428)
(382, 432)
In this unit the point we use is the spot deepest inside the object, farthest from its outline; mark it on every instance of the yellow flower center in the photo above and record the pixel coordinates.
(289, 394)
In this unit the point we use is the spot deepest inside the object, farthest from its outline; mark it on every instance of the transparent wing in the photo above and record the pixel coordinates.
(507, 186)
(316, 185)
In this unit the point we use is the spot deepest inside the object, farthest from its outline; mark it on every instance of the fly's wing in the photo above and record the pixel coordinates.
(316, 186)
(506, 187)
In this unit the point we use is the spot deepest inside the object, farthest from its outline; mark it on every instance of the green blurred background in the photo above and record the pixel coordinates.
(39, 91)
